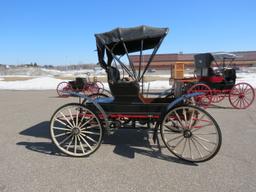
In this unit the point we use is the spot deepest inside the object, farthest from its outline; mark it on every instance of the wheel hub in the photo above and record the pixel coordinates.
(187, 133)
(241, 96)
(76, 131)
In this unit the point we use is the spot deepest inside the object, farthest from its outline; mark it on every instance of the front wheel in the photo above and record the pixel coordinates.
(76, 130)
(191, 134)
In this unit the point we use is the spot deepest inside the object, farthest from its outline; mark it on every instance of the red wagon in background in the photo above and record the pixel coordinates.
(80, 84)
(215, 75)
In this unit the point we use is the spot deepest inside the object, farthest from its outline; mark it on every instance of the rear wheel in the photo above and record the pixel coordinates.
(76, 130)
(191, 133)
(241, 95)
(62, 88)
(202, 100)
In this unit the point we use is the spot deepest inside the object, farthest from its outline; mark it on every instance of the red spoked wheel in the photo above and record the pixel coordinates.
(202, 100)
(217, 96)
(62, 88)
(241, 95)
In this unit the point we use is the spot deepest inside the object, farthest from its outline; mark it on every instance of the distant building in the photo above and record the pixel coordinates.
(2, 66)
(164, 61)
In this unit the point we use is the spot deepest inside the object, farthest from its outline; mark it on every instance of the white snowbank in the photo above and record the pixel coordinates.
(41, 83)
(47, 83)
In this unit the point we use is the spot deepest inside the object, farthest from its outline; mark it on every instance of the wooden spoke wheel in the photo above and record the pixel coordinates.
(202, 100)
(62, 88)
(76, 130)
(191, 134)
(241, 96)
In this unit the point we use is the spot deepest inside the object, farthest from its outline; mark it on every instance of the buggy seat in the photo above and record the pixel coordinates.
(230, 75)
(122, 90)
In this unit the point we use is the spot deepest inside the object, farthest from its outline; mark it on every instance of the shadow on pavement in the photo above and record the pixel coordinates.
(127, 143)
(40, 130)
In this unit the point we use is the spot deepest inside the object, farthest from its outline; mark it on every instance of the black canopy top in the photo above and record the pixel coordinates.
(122, 41)
(132, 37)
(203, 60)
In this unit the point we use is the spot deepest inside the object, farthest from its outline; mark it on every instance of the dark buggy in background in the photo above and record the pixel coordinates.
(188, 132)
(220, 82)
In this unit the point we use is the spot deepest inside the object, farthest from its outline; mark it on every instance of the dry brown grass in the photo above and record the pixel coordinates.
(16, 78)
(99, 78)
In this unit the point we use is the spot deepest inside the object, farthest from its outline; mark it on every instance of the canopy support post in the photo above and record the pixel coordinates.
(130, 61)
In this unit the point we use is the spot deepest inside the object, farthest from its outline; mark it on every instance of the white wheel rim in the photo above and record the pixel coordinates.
(76, 130)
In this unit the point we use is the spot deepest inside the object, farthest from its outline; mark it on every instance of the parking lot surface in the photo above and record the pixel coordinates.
(126, 161)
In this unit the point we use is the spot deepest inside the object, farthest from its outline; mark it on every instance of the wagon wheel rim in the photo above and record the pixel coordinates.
(191, 134)
(202, 100)
(62, 88)
(241, 95)
(76, 130)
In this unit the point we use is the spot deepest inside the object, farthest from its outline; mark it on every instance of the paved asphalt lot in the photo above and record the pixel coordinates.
(126, 161)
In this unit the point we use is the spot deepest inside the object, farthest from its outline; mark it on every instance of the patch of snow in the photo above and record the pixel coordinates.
(41, 83)
(47, 83)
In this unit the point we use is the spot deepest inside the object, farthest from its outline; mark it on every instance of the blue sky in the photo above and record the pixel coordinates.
(62, 31)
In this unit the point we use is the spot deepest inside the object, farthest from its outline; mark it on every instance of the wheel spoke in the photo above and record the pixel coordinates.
(197, 149)
(204, 147)
(70, 142)
(61, 134)
(75, 144)
(89, 132)
(62, 129)
(191, 119)
(90, 127)
(183, 149)
(179, 120)
(179, 142)
(88, 137)
(71, 116)
(81, 121)
(84, 140)
(206, 133)
(77, 113)
(66, 139)
(185, 117)
(174, 138)
(62, 123)
(203, 139)
(190, 151)
(81, 145)
(66, 119)
(88, 121)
